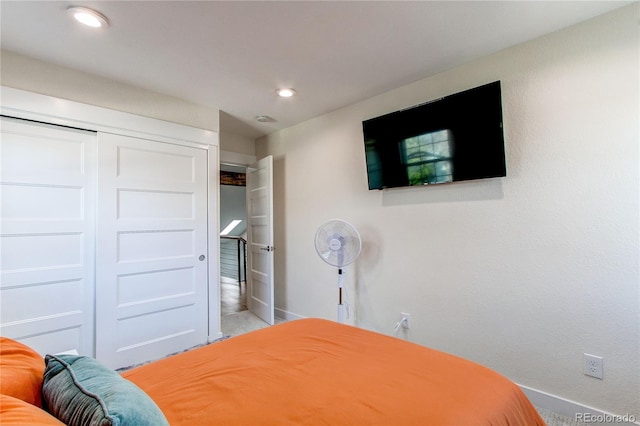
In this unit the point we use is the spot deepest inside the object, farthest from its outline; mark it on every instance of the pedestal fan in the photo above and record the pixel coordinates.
(338, 243)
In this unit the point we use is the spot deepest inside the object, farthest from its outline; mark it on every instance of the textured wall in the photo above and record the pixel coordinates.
(523, 274)
(25, 73)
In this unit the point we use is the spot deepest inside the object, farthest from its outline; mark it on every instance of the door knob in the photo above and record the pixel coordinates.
(202, 257)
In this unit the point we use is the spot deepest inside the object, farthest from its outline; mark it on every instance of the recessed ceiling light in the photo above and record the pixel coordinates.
(264, 119)
(286, 93)
(88, 17)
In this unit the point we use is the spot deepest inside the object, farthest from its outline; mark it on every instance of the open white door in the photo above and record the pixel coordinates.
(260, 239)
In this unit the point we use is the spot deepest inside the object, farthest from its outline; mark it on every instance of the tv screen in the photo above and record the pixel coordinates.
(455, 138)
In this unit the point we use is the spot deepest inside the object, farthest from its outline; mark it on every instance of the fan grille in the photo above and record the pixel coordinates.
(337, 243)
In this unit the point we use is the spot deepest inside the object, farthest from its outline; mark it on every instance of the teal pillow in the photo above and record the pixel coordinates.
(79, 390)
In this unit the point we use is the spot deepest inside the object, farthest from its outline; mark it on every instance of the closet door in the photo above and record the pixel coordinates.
(152, 249)
(47, 236)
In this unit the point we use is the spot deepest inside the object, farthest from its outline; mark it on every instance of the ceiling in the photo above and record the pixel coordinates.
(233, 55)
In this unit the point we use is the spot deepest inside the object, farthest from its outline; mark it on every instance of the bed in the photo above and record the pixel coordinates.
(318, 372)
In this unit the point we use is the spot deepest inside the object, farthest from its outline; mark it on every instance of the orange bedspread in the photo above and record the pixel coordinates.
(319, 372)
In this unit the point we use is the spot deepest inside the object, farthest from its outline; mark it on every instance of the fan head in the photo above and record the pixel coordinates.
(338, 243)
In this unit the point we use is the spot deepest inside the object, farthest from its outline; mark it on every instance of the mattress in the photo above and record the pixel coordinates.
(318, 372)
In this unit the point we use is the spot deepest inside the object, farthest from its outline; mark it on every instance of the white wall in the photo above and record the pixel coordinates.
(237, 143)
(30, 74)
(523, 274)
(21, 72)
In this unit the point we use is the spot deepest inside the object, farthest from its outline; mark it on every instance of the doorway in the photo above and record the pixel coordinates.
(247, 296)
(233, 239)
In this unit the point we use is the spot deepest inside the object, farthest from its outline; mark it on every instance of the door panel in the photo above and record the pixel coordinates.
(260, 283)
(152, 284)
(47, 239)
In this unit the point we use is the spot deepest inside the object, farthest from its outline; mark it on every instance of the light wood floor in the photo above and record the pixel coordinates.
(233, 297)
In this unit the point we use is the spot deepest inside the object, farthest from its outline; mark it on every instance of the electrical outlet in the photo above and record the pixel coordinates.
(593, 366)
(404, 320)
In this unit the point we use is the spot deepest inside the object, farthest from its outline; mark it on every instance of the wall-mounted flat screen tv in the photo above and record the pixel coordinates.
(455, 138)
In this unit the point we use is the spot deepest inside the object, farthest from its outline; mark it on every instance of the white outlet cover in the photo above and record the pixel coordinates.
(593, 366)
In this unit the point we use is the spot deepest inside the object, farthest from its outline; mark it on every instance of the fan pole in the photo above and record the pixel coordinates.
(341, 309)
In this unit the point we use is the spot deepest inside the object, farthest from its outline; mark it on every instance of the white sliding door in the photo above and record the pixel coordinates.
(151, 249)
(47, 236)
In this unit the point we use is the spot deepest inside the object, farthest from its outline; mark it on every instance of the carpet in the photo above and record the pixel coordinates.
(555, 419)
(121, 369)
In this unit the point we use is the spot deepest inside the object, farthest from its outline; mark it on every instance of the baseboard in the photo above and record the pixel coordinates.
(574, 410)
(215, 336)
(286, 315)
